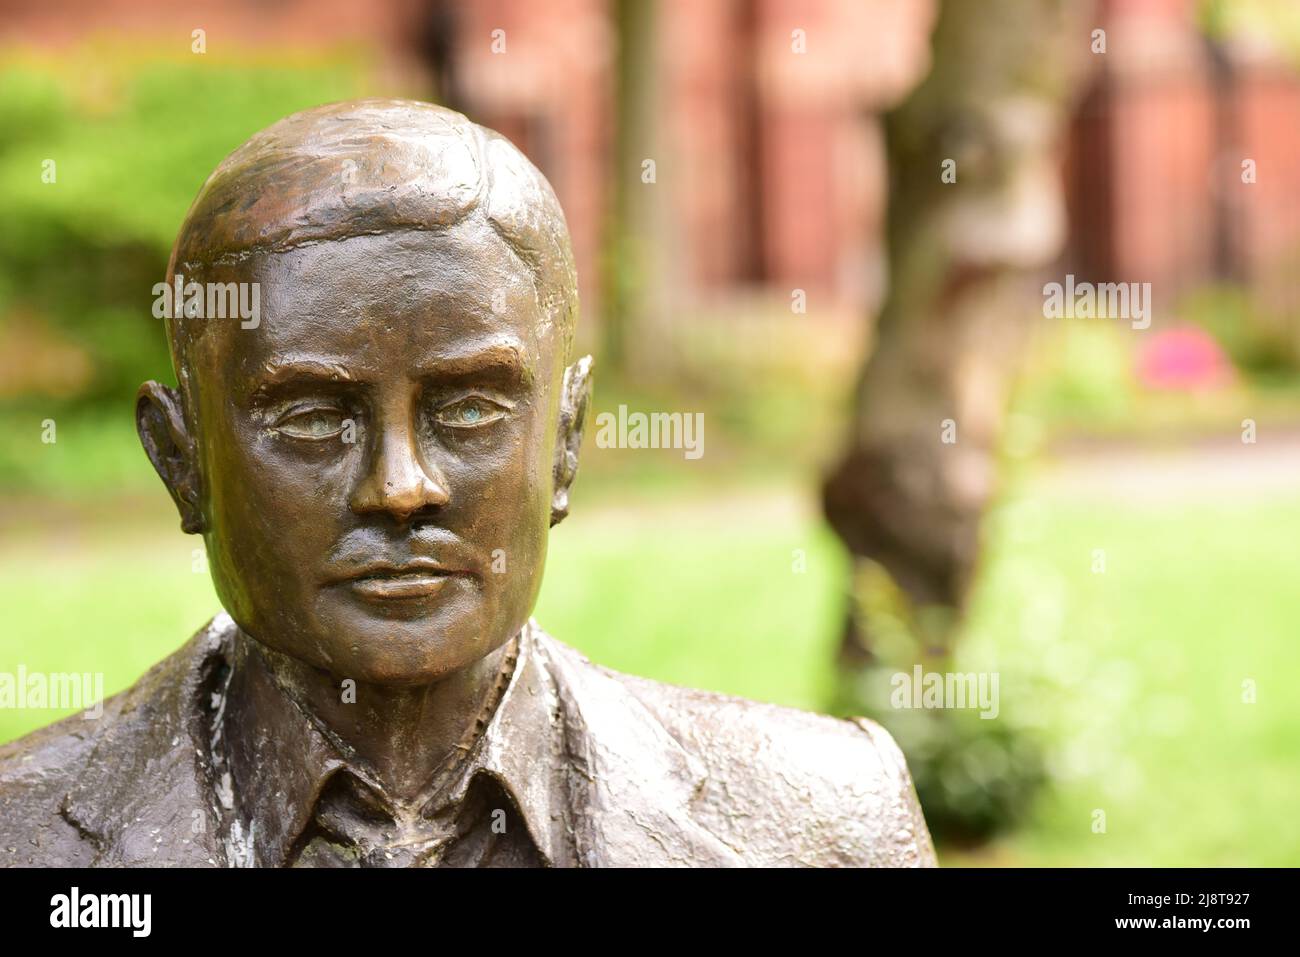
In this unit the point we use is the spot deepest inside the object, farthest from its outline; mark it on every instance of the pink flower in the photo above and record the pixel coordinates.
(1185, 358)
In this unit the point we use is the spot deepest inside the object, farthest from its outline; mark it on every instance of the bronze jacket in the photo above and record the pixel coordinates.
(604, 769)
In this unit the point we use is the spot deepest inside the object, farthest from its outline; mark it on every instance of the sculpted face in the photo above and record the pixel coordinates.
(375, 461)
(377, 457)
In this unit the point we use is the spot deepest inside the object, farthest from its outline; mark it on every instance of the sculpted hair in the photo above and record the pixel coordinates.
(367, 167)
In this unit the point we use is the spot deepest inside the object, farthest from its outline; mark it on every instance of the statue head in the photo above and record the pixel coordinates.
(375, 452)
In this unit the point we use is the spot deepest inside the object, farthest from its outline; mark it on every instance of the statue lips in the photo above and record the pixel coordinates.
(413, 580)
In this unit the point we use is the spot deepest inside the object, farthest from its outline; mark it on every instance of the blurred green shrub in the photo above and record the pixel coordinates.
(132, 136)
(977, 777)
(1259, 340)
(1080, 372)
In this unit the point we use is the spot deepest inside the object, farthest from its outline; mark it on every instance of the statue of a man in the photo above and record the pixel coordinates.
(374, 456)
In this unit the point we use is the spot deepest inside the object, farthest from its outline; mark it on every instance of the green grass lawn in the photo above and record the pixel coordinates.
(1133, 675)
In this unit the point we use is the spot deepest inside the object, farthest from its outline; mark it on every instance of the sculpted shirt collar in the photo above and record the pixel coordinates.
(595, 775)
(273, 760)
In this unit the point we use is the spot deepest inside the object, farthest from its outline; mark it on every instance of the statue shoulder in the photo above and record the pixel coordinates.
(791, 786)
(108, 745)
(36, 773)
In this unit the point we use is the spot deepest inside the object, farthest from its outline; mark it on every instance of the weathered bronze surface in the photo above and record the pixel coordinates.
(374, 463)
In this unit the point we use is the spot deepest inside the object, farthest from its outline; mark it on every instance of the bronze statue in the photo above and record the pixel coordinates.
(374, 456)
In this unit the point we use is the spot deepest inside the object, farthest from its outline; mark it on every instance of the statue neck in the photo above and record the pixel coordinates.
(402, 735)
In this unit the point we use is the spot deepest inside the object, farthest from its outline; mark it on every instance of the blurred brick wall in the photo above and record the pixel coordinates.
(546, 83)
(1156, 152)
(770, 172)
(767, 159)
(1267, 228)
(823, 179)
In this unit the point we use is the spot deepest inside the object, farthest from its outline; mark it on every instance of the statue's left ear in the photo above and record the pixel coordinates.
(575, 396)
(160, 420)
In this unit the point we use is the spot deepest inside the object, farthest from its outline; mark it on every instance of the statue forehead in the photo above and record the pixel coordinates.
(384, 301)
(375, 168)
(467, 259)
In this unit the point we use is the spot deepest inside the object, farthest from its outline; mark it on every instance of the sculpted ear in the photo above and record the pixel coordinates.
(161, 423)
(575, 397)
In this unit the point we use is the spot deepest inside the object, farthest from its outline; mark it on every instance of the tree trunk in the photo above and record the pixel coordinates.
(976, 207)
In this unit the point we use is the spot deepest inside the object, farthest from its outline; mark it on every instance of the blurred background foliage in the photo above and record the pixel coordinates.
(79, 257)
(1121, 691)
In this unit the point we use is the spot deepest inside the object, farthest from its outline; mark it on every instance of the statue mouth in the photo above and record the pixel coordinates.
(405, 585)
(419, 578)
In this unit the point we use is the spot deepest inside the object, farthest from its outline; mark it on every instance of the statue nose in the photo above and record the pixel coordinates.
(399, 482)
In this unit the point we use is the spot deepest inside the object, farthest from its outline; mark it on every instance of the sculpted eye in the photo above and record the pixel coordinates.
(470, 412)
(315, 423)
